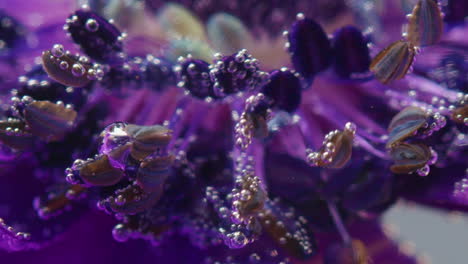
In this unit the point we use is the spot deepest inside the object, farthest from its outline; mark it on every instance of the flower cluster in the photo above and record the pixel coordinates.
(254, 146)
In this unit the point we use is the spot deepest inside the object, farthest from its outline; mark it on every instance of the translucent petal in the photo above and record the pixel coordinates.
(182, 47)
(227, 33)
(179, 22)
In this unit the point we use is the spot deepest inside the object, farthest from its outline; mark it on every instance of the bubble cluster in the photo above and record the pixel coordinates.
(68, 69)
(227, 75)
(336, 149)
(253, 121)
(97, 37)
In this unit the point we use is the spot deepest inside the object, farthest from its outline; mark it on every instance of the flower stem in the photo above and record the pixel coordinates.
(340, 227)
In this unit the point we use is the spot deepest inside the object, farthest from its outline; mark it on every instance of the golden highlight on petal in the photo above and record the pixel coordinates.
(179, 22)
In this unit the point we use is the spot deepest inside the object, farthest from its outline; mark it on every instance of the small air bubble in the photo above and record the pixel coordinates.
(63, 65)
(92, 25)
(57, 50)
(78, 70)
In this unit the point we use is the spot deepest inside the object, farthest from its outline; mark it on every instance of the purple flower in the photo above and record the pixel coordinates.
(206, 134)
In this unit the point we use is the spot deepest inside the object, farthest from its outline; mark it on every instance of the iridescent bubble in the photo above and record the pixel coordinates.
(460, 114)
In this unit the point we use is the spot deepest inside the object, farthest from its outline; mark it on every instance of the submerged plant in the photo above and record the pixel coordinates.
(206, 134)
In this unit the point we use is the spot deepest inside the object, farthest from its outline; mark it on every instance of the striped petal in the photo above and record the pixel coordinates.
(405, 123)
(148, 139)
(153, 172)
(409, 157)
(48, 120)
(425, 23)
(393, 62)
(13, 136)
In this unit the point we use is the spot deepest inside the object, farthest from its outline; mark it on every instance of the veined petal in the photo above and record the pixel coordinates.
(393, 62)
(425, 23)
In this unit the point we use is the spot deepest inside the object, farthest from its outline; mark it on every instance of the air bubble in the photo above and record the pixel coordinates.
(120, 233)
(57, 50)
(63, 65)
(78, 70)
(92, 25)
